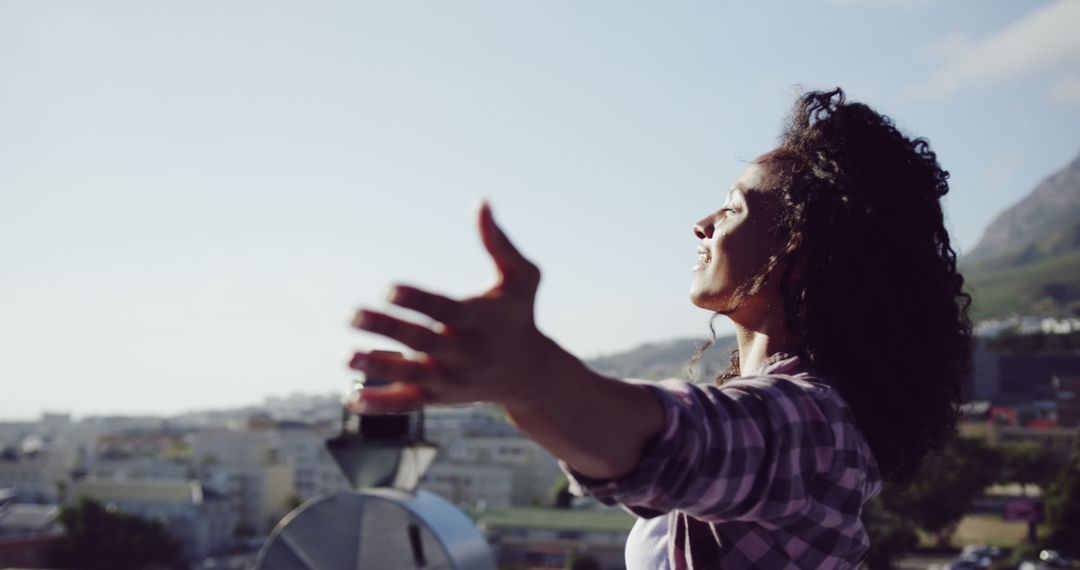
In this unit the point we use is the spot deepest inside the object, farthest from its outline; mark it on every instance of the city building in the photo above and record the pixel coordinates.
(1018, 377)
(258, 494)
(1063, 440)
(1025, 325)
(34, 476)
(1067, 394)
(546, 538)
(137, 443)
(27, 532)
(136, 468)
(247, 467)
(304, 448)
(28, 520)
(55, 422)
(532, 470)
(471, 487)
(448, 423)
(1025, 377)
(308, 408)
(236, 447)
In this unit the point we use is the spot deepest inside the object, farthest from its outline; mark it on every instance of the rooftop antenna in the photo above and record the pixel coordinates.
(384, 521)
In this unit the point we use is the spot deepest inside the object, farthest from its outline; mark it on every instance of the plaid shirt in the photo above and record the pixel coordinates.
(766, 471)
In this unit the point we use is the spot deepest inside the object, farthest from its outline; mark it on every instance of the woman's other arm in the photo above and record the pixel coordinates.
(487, 348)
(599, 426)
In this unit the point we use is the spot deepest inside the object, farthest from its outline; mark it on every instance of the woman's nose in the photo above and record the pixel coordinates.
(703, 229)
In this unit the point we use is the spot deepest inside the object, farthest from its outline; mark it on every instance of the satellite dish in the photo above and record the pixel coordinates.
(384, 523)
(376, 529)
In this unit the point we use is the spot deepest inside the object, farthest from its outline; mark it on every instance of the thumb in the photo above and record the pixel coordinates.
(516, 273)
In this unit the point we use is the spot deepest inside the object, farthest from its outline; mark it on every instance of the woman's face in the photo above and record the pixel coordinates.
(736, 243)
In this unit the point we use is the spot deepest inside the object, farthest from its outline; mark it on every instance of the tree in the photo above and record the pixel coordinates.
(559, 495)
(945, 486)
(891, 535)
(1028, 463)
(582, 561)
(1063, 509)
(96, 538)
(291, 503)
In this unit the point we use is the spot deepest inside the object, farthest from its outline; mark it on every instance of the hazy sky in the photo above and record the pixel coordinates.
(194, 195)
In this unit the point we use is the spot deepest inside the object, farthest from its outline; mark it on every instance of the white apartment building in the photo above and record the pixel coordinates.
(28, 520)
(473, 487)
(533, 469)
(485, 468)
(246, 466)
(314, 471)
(234, 447)
(259, 494)
(448, 423)
(33, 477)
(137, 468)
(547, 538)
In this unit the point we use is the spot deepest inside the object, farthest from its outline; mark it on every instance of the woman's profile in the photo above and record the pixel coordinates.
(830, 256)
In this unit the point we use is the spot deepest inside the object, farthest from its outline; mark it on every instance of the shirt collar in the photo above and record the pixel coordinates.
(777, 363)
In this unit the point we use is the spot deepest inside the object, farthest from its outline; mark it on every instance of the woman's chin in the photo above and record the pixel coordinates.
(708, 300)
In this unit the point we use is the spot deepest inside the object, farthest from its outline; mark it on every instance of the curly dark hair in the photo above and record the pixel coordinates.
(868, 274)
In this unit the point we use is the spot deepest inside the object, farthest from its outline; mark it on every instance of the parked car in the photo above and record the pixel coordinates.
(983, 551)
(975, 557)
(1048, 560)
(967, 563)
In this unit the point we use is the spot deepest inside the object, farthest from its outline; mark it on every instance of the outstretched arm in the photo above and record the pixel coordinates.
(487, 348)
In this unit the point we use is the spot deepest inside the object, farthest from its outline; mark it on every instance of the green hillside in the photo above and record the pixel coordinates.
(1028, 261)
(1049, 286)
(660, 360)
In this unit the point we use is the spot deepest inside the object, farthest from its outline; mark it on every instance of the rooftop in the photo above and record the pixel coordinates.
(557, 519)
(23, 516)
(142, 490)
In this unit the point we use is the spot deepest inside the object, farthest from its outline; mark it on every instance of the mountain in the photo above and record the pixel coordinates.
(1028, 260)
(660, 360)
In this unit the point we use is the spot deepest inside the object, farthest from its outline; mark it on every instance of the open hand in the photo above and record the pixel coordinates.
(484, 348)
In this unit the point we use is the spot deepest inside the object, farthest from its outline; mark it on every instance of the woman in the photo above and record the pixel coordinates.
(830, 256)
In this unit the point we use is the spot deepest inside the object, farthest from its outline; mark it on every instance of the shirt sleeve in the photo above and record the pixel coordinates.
(737, 452)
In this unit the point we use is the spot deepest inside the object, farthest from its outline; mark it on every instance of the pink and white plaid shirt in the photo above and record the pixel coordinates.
(767, 471)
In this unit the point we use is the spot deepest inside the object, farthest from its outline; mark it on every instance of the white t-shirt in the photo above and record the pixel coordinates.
(646, 546)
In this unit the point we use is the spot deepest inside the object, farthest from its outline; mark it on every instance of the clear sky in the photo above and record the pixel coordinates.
(194, 195)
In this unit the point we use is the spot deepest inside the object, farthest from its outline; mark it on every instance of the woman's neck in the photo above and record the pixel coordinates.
(761, 337)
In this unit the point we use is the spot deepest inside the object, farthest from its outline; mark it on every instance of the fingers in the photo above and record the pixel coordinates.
(515, 271)
(442, 309)
(397, 397)
(454, 366)
(411, 335)
(395, 383)
(388, 368)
